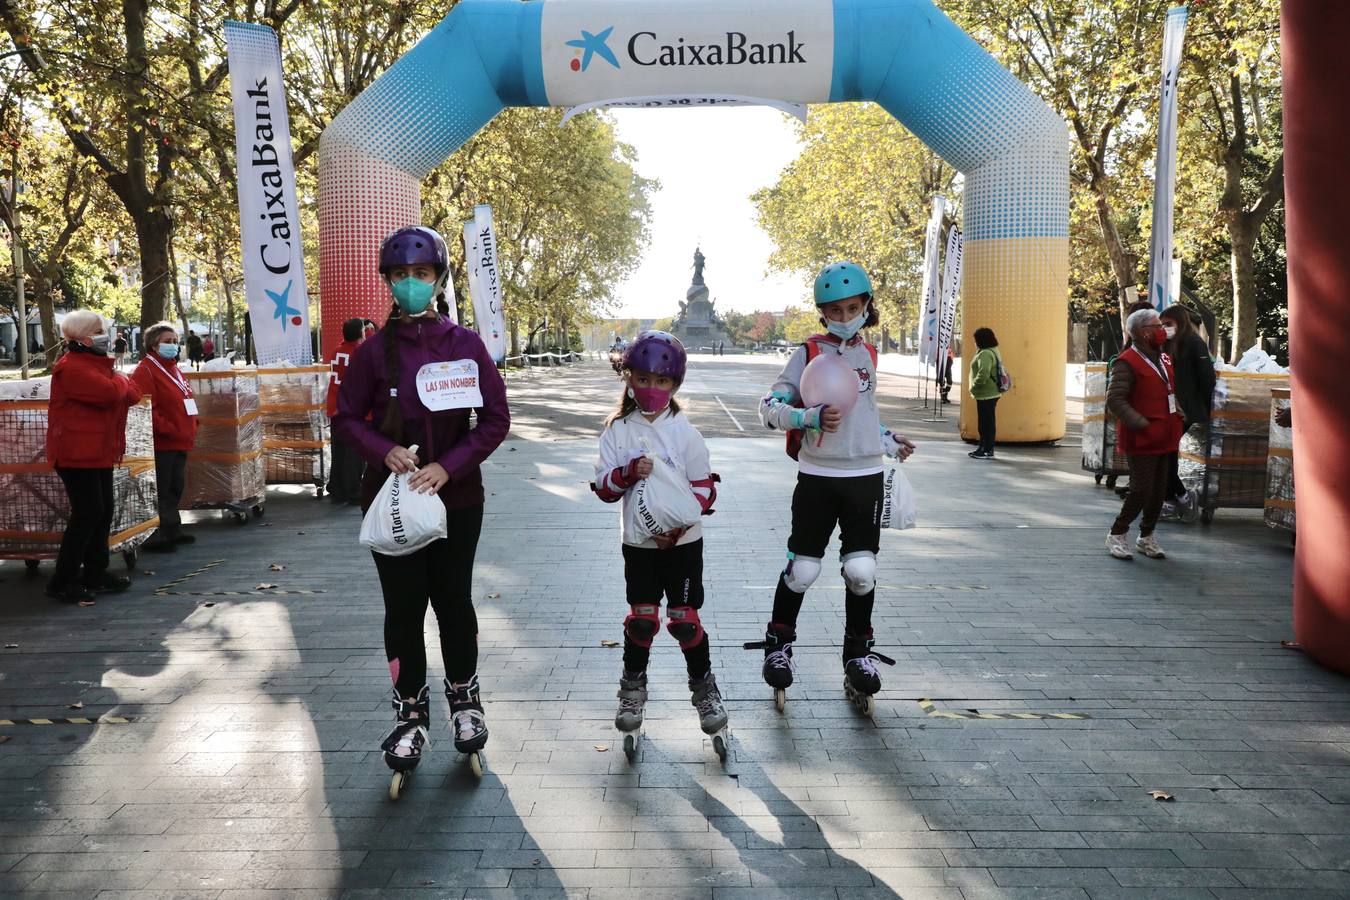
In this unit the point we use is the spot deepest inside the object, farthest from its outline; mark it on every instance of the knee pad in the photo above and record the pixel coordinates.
(800, 573)
(683, 624)
(860, 572)
(643, 623)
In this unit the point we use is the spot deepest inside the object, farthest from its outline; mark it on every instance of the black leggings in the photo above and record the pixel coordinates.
(91, 516)
(170, 479)
(678, 574)
(987, 422)
(442, 574)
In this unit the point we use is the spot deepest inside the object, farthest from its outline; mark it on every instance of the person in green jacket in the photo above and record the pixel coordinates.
(984, 388)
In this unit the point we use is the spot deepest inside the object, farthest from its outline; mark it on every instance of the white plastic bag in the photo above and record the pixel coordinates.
(900, 509)
(400, 520)
(662, 502)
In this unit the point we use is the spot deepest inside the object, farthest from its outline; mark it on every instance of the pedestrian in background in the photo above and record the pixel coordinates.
(1142, 397)
(1195, 392)
(208, 349)
(194, 348)
(120, 349)
(175, 426)
(984, 389)
(86, 438)
(344, 476)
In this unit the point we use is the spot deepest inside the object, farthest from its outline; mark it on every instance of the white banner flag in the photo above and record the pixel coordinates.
(484, 277)
(269, 217)
(951, 289)
(932, 296)
(1165, 166)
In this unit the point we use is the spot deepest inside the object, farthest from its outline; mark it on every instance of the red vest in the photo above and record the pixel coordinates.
(1150, 398)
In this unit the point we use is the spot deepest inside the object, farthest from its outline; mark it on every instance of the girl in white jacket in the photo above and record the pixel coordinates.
(648, 418)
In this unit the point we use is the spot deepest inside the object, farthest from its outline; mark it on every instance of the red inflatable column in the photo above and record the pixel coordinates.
(1317, 196)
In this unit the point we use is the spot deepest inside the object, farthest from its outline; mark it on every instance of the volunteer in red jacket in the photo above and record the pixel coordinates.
(86, 438)
(416, 382)
(344, 476)
(175, 415)
(1142, 396)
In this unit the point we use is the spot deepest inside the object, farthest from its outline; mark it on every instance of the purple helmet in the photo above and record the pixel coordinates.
(413, 246)
(658, 352)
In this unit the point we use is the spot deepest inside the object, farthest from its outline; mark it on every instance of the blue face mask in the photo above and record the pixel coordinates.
(413, 296)
(167, 350)
(846, 330)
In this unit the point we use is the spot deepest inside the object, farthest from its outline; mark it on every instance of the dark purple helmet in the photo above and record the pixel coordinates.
(658, 352)
(415, 245)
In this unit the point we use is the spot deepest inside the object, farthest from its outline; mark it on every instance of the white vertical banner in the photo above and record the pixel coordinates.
(932, 295)
(484, 278)
(1165, 165)
(951, 289)
(269, 216)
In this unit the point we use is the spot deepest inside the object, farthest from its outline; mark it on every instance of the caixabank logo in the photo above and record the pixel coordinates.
(650, 48)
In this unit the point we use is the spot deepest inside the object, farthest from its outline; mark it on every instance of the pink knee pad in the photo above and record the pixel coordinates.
(683, 624)
(642, 624)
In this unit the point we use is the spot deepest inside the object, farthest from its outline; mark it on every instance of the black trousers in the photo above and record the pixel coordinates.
(677, 574)
(987, 422)
(344, 478)
(85, 542)
(819, 504)
(440, 574)
(170, 477)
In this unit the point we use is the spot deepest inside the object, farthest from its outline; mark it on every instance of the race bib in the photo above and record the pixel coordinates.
(190, 405)
(449, 385)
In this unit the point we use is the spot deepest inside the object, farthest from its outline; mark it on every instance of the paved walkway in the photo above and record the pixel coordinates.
(249, 766)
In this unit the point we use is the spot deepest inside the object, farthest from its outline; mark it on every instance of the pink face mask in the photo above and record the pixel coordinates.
(649, 399)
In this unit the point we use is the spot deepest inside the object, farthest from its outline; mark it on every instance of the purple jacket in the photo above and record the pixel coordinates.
(444, 437)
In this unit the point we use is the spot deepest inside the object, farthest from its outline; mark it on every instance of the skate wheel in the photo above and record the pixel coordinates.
(867, 705)
(779, 699)
(720, 746)
(396, 784)
(630, 746)
(476, 764)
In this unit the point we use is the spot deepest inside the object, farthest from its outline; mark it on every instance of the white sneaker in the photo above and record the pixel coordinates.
(1119, 546)
(1149, 547)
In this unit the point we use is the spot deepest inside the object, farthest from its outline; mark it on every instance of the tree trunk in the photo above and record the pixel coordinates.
(1124, 264)
(51, 341)
(515, 335)
(1242, 232)
(177, 294)
(229, 296)
(152, 239)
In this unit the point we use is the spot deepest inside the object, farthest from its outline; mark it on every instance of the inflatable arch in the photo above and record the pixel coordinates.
(903, 54)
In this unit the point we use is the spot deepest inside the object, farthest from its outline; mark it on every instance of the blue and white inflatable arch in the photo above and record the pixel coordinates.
(906, 55)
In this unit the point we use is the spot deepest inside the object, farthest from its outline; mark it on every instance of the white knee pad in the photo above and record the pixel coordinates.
(800, 573)
(860, 572)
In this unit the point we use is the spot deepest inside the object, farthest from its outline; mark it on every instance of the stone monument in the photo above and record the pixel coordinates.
(698, 325)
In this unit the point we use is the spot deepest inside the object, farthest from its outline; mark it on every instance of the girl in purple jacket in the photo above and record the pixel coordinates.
(389, 402)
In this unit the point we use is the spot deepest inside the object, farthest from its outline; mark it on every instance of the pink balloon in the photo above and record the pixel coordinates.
(830, 381)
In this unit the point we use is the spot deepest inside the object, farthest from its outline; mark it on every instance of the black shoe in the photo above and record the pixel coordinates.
(70, 593)
(979, 454)
(160, 545)
(109, 584)
(184, 539)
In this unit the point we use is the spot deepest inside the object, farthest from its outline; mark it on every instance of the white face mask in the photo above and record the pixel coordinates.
(1171, 331)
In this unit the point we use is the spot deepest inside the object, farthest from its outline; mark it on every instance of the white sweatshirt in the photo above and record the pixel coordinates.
(672, 437)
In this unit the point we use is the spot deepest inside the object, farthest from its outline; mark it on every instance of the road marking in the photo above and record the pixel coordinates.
(106, 720)
(929, 707)
(728, 412)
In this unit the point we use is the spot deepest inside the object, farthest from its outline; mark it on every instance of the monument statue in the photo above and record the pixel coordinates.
(697, 324)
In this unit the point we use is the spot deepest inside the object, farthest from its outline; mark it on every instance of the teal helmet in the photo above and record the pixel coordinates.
(840, 280)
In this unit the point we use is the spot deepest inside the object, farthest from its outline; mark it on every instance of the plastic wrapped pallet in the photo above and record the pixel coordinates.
(225, 466)
(1099, 427)
(1226, 465)
(1280, 467)
(34, 508)
(293, 401)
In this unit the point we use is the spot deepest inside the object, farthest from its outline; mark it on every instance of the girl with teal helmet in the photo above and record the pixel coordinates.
(840, 483)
